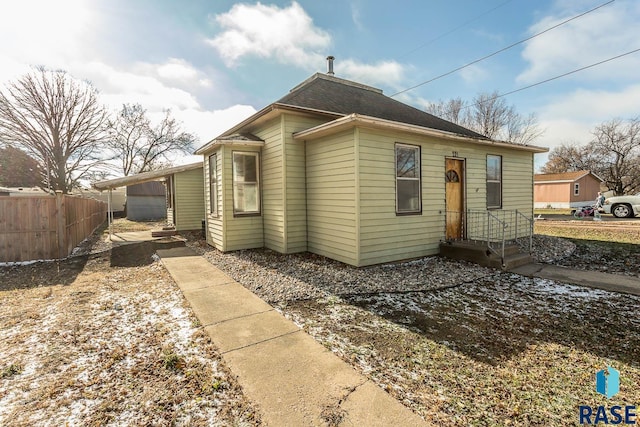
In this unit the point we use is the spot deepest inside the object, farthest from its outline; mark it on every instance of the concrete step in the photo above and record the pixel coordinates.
(477, 252)
(164, 233)
(516, 260)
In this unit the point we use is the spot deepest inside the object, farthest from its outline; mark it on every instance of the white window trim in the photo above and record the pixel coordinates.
(213, 184)
(576, 189)
(257, 183)
(493, 181)
(417, 148)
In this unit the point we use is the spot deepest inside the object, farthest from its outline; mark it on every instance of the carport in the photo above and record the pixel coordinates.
(164, 175)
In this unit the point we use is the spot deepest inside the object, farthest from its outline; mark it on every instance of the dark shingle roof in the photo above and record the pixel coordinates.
(331, 94)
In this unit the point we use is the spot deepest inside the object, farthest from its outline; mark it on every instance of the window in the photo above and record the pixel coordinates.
(576, 189)
(494, 181)
(213, 184)
(407, 179)
(246, 190)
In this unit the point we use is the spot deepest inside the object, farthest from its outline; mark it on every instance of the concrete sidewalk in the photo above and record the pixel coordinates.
(292, 378)
(592, 279)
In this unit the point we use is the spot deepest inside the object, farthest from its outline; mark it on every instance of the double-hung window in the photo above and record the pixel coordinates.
(494, 181)
(213, 184)
(246, 183)
(576, 189)
(408, 179)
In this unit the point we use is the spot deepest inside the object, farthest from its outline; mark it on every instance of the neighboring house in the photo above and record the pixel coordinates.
(565, 190)
(146, 201)
(339, 169)
(183, 205)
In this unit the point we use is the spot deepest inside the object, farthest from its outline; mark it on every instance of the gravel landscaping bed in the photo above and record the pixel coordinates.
(457, 343)
(275, 277)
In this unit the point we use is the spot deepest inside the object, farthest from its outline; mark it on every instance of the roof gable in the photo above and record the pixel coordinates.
(331, 94)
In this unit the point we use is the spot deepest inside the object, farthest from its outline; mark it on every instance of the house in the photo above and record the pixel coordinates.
(183, 205)
(565, 190)
(339, 169)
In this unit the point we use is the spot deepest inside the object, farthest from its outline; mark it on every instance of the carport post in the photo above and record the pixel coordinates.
(110, 213)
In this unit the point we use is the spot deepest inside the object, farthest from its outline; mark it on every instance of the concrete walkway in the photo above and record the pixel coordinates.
(292, 378)
(592, 279)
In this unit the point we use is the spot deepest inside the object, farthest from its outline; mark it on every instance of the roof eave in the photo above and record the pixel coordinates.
(269, 111)
(367, 121)
(143, 177)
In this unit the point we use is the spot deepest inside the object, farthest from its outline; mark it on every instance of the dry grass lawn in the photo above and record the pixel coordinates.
(106, 339)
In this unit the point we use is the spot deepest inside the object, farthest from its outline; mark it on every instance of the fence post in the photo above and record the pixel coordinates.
(61, 225)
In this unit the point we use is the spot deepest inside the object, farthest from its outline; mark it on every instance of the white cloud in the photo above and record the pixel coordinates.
(286, 34)
(572, 118)
(596, 105)
(356, 16)
(177, 69)
(119, 86)
(209, 124)
(41, 32)
(383, 73)
(602, 34)
(474, 74)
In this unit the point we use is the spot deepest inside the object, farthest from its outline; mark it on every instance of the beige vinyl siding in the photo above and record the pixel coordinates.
(331, 197)
(295, 182)
(240, 231)
(272, 184)
(517, 181)
(215, 223)
(189, 200)
(385, 236)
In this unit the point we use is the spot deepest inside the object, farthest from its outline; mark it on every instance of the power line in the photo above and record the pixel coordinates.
(455, 29)
(554, 78)
(503, 49)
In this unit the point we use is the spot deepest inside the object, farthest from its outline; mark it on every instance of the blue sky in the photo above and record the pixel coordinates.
(216, 62)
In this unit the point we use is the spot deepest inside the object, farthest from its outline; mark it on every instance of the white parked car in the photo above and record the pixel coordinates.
(623, 206)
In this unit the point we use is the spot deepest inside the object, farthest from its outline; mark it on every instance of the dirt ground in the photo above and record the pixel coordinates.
(106, 339)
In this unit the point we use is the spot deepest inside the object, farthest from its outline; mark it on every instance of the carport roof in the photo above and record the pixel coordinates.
(144, 177)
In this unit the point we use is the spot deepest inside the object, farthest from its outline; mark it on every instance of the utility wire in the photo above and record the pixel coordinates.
(503, 49)
(455, 29)
(553, 78)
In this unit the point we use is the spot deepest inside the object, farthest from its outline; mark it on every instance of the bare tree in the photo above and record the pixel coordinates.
(141, 147)
(613, 155)
(571, 158)
(451, 110)
(617, 144)
(55, 119)
(489, 115)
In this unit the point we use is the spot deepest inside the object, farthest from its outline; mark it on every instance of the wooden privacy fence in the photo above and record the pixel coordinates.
(46, 227)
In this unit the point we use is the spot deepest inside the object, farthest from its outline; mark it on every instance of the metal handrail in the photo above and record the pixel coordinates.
(502, 227)
(496, 228)
(529, 234)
